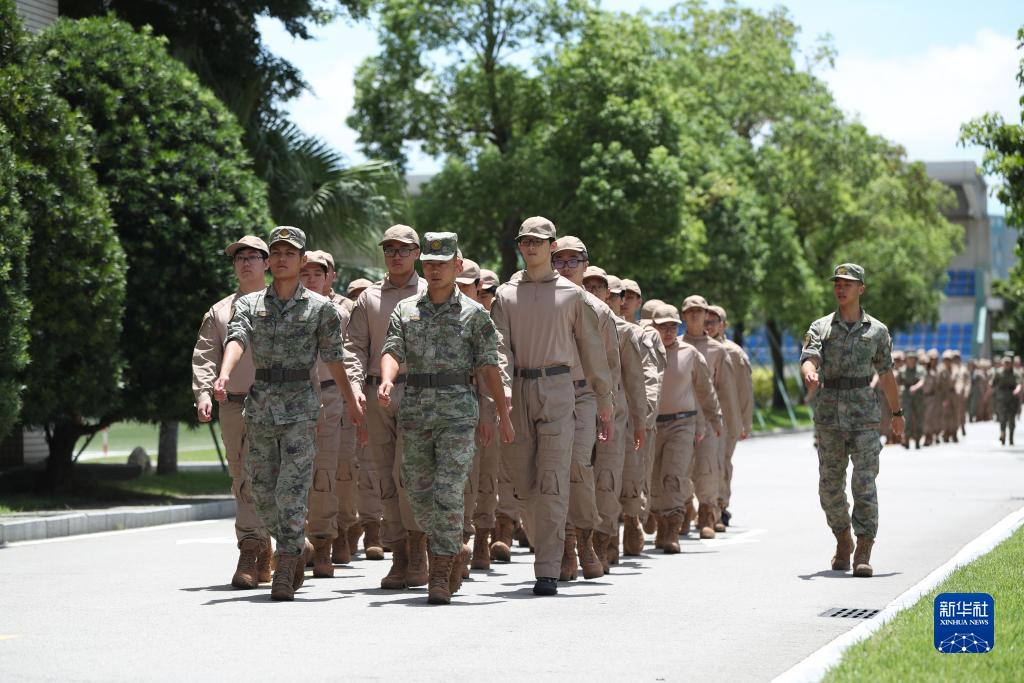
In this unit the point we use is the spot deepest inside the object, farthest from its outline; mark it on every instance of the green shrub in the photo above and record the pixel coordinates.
(14, 239)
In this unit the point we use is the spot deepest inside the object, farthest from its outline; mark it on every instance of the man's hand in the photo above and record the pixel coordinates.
(698, 438)
(810, 373)
(362, 436)
(508, 432)
(605, 426)
(360, 398)
(898, 425)
(356, 412)
(204, 408)
(639, 437)
(384, 393)
(744, 435)
(220, 391)
(485, 432)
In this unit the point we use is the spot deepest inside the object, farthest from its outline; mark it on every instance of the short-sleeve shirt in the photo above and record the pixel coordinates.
(456, 336)
(286, 334)
(847, 350)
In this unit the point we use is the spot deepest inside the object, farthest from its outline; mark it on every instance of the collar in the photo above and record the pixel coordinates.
(553, 275)
(455, 300)
(837, 318)
(690, 339)
(411, 282)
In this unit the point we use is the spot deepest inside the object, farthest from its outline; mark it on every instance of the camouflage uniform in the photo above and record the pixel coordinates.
(437, 423)
(1004, 381)
(281, 412)
(912, 403)
(846, 419)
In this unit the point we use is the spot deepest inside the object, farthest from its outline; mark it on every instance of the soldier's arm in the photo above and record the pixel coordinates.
(239, 337)
(727, 396)
(485, 343)
(745, 388)
(633, 381)
(357, 345)
(590, 345)
(206, 359)
(704, 390)
(810, 358)
(652, 381)
(507, 359)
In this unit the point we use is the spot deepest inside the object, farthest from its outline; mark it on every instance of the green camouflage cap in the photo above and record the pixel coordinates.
(286, 233)
(848, 271)
(439, 246)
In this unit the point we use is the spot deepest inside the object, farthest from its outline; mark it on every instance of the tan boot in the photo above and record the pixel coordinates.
(501, 547)
(246, 572)
(706, 521)
(371, 542)
(283, 586)
(522, 538)
(352, 535)
(305, 559)
(671, 523)
(567, 572)
(632, 536)
(589, 563)
(719, 526)
(481, 550)
(263, 561)
(395, 578)
(340, 552)
(651, 523)
(613, 549)
(660, 526)
(438, 592)
(323, 568)
(418, 572)
(466, 554)
(455, 571)
(601, 542)
(862, 557)
(844, 547)
(689, 516)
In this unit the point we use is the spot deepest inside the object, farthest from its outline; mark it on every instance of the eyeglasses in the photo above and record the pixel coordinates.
(249, 259)
(390, 252)
(711, 321)
(560, 263)
(531, 242)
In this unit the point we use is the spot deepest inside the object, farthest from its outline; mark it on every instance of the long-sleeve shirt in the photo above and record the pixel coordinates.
(722, 376)
(344, 306)
(632, 366)
(209, 353)
(743, 375)
(654, 369)
(687, 385)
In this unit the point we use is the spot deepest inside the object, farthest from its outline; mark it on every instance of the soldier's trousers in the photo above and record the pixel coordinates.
(914, 416)
(236, 447)
(634, 473)
(538, 462)
(435, 467)
(487, 483)
(1006, 413)
(671, 486)
(386, 446)
(582, 494)
(609, 460)
(836, 449)
(332, 490)
(725, 492)
(280, 467)
(707, 471)
(508, 504)
(368, 487)
(346, 486)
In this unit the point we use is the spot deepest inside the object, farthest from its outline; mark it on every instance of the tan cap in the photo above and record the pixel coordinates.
(694, 301)
(488, 279)
(470, 272)
(666, 313)
(571, 243)
(947, 355)
(933, 353)
(898, 355)
(614, 285)
(400, 233)
(317, 257)
(647, 310)
(631, 286)
(594, 271)
(956, 353)
(717, 310)
(247, 242)
(357, 284)
(537, 226)
(286, 233)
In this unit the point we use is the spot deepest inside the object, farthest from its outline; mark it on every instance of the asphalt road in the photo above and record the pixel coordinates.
(155, 604)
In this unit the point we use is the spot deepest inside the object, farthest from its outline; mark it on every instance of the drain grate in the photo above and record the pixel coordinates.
(850, 612)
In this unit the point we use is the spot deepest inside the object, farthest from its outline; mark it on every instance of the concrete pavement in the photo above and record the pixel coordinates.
(154, 604)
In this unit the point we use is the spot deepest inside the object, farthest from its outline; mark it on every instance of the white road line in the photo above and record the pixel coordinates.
(814, 667)
(215, 540)
(101, 534)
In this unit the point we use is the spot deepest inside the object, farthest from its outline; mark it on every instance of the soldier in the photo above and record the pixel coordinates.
(650, 522)
(714, 325)
(284, 326)
(546, 329)
(687, 390)
(570, 260)
(366, 334)
(1006, 385)
(443, 337)
(843, 348)
(249, 256)
(945, 395)
(709, 461)
(963, 391)
(632, 299)
(911, 381)
(932, 403)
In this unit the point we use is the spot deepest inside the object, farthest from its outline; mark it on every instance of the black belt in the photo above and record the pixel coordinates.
(237, 398)
(847, 382)
(439, 379)
(276, 375)
(374, 380)
(328, 383)
(536, 373)
(580, 383)
(675, 416)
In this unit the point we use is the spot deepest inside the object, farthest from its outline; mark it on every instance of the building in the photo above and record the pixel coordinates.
(1004, 247)
(37, 14)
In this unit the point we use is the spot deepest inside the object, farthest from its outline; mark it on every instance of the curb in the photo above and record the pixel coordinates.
(75, 523)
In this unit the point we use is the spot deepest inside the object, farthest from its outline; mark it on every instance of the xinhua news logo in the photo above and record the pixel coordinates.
(965, 623)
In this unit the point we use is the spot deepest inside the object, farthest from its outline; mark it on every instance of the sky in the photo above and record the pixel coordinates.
(910, 70)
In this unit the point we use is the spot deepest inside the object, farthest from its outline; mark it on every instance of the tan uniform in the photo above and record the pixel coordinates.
(636, 472)
(545, 326)
(367, 330)
(206, 359)
(484, 475)
(945, 388)
(686, 390)
(743, 376)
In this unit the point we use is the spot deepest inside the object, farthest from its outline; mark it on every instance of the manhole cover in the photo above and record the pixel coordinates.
(850, 612)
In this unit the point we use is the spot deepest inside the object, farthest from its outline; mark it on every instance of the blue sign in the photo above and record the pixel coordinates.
(965, 623)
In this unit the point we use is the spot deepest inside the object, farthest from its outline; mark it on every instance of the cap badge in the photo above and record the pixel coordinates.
(435, 245)
(842, 270)
(285, 234)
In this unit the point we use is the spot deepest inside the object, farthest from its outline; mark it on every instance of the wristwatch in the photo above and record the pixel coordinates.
(897, 413)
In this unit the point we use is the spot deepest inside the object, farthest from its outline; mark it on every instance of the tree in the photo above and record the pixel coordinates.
(1004, 157)
(181, 187)
(14, 240)
(76, 267)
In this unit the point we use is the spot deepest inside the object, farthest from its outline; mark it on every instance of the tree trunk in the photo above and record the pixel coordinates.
(508, 249)
(737, 333)
(778, 364)
(61, 441)
(167, 451)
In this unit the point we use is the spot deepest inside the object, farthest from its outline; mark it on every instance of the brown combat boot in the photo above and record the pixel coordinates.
(613, 549)
(589, 563)
(481, 550)
(246, 573)
(651, 523)
(567, 572)
(689, 516)
(322, 566)
(352, 535)
(501, 547)
(418, 572)
(660, 526)
(706, 521)
(283, 586)
(371, 542)
(601, 542)
(466, 554)
(862, 557)
(632, 536)
(341, 552)
(455, 572)
(264, 559)
(395, 578)
(305, 559)
(719, 526)
(844, 547)
(672, 523)
(438, 592)
(522, 538)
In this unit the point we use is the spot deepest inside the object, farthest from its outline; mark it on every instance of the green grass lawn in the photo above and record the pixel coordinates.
(779, 419)
(902, 650)
(208, 455)
(124, 436)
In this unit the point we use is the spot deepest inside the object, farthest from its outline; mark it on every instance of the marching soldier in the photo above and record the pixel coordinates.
(1006, 385)
(911, 382)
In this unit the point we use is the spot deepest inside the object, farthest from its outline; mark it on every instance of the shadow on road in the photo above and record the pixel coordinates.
(421, 601)
(264, 597)
(840, 574)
